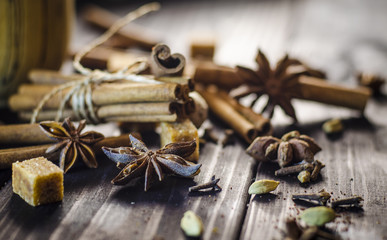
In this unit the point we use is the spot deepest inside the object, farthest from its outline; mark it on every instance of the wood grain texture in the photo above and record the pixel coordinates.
(93, 208)
(341, 37)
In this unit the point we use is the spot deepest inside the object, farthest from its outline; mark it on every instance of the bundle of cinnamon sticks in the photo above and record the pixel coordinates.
(166, 100)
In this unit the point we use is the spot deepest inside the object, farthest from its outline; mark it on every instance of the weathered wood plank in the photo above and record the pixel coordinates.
(94, 208)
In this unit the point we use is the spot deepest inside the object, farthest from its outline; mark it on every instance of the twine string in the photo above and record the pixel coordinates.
(80, 92)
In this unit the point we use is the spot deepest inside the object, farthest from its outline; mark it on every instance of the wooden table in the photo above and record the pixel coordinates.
(341, 37)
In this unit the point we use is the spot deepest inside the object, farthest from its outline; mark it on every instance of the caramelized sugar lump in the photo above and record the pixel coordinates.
(37, 181)
(183, 131)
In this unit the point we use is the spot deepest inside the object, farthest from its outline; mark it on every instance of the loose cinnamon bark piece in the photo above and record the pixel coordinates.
(163, 63)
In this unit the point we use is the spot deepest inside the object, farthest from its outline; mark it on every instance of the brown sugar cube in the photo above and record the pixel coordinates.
(203, 46)
(183, 131)
(38, 181)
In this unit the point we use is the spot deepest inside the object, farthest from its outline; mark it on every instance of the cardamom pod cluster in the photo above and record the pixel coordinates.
(291, 148)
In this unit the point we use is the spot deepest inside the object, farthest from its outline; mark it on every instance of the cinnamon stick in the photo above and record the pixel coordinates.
(25, 116)
(261, 123)
(209, 73)
(152, 111)
(143, 118)
(105, 94)
(118, 61)
(228, 114)
(311, 88)
(324, 92)
(50, 77)
(22, 134)
(11, 155)
(131, 34)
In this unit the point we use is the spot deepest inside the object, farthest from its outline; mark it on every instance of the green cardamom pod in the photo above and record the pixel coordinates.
(318, 216)
(263, 186)
(191, 224)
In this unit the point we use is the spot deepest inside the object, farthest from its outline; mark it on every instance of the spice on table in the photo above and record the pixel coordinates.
(298, 81)
(304, 176)
(138, 161)
(333, 126)
(320, 198)
(38, 181)
(242, 120)
(292, 148)
(318, 216)
(293, 231)
(228, 137)
(164, 63)
(294, 169)
(210, 135)
(316, 170)
(191, 224)
(202, 46)
(263, 186)
(371, 81)
(11, 155)
(72, 142)
(211, 185)
(347, 202)
(273, 82)
(180, 131)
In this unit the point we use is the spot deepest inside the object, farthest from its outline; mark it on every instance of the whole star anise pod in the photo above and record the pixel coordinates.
(279, 84)
(291, 148)
(138, 160)
(72, 142)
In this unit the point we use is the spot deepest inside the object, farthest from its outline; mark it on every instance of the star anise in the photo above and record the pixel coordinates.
(279, 84)
(138, 160)
(72, 142)
(291, 148)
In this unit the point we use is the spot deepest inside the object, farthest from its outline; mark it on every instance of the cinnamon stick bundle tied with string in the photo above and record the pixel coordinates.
(243, 120)
(166, 101)
(119, 96)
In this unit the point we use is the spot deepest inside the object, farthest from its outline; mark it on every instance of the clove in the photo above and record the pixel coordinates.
(210, 135)
(228, 137)
(212, 185)
(320, 198)
(347, 202)
(294, 169)
(316, 170)
(293, 231)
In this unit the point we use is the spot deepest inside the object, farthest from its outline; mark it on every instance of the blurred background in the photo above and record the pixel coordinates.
(341, 37)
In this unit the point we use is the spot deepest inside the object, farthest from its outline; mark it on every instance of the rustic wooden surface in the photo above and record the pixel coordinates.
(341, 37)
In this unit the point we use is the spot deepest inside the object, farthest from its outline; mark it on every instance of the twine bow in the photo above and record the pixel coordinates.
(80, 92)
